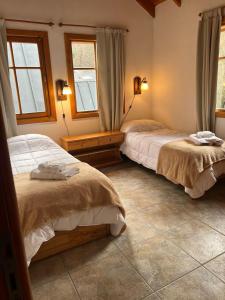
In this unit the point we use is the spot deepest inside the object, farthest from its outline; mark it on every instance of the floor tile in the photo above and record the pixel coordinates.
(152, 297)
(217, 266)
(136, 233)
(88, 253)
(58, 289)
(46, 270)
(198, 240)
(165, 217)
(160, 262)
(112, 278)
(197, 285)
(211, 213)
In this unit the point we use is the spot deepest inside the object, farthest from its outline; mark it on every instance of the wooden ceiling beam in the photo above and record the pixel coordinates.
(178, 2)
(148, 6)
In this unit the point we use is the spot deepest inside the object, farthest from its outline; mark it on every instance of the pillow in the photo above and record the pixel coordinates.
(141, 125)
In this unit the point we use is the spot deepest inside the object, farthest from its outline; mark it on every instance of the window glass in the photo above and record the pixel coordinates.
(85, 89)
(30, 90)
(220, 102)
(222, 44)
(83, 55)
(26, 54)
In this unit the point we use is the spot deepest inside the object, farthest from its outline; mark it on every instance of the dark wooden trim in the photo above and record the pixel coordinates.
(178, 2)
(41, 39)
(13, 264)
(148, 6)
(69, 37)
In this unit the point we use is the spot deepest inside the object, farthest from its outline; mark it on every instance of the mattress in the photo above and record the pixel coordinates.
(26, 153)
(144, 148)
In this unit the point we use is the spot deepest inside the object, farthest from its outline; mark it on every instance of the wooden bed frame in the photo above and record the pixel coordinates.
(65, 240)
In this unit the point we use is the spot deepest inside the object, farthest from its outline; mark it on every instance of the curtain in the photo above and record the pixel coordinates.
(111, 76)
(207, 68)
(6, 98)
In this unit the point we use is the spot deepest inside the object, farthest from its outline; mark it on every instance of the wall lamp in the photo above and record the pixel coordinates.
(62, 90)
(140, 85)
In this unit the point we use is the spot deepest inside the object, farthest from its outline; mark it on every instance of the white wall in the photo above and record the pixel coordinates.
(118, 13)
(174, 67)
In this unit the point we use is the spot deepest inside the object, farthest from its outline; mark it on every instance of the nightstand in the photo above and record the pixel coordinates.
(98, 149)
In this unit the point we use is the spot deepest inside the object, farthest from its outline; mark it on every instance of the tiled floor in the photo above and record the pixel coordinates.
(173, 248)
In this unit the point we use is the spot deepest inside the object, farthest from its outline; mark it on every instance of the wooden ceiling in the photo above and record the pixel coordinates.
(150, 5)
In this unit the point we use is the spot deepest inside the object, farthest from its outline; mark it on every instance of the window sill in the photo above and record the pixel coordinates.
(81, 115)
(220, 113)
(36, 120)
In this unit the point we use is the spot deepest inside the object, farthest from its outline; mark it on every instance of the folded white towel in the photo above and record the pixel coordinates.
(197, 141)
(51, 166)
(204, 134)
(213, 140)
(70, 171)
(54, 175)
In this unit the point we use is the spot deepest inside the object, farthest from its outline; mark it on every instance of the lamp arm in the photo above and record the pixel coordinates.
(125, 116)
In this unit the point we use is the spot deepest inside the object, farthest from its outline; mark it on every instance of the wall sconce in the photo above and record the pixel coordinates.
(62, 90)
(140, 85)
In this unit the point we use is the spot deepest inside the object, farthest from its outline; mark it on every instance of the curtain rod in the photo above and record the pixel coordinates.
(51, 23)
(31, 22)
(79, 25)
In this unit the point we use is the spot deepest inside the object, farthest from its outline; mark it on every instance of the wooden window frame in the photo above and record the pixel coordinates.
(220, 113)
(41, 38)
(69, 38)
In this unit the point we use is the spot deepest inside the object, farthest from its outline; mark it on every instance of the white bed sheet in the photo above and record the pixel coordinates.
(144, 148)
(26, 153)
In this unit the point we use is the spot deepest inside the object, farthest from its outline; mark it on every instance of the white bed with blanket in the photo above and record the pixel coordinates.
(26, 153)
(143, 142)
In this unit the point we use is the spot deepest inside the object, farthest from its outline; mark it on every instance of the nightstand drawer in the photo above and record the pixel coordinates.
(110, 140)
(77, 145)
(90, 143)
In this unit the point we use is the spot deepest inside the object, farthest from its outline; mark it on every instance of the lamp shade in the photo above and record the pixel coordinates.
(66, 90)
(144, 85)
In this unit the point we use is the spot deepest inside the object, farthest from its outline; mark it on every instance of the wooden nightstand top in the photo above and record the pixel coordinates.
(90, 136)
(93, 140)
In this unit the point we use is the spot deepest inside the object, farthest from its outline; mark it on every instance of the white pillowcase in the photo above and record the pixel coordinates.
(141, 125)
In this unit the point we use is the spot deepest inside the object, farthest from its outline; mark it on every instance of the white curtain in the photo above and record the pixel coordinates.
(207, 68)
(111, 76)
(6, 99)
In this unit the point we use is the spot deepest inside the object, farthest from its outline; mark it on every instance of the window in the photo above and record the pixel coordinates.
(81, 65)
(220, 105)
(30, 76)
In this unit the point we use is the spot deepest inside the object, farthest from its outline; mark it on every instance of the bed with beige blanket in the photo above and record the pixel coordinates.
(49, 206)
(167, 152)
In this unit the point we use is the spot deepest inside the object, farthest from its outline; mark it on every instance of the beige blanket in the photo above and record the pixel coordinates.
(41, 201)
(183, 162)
